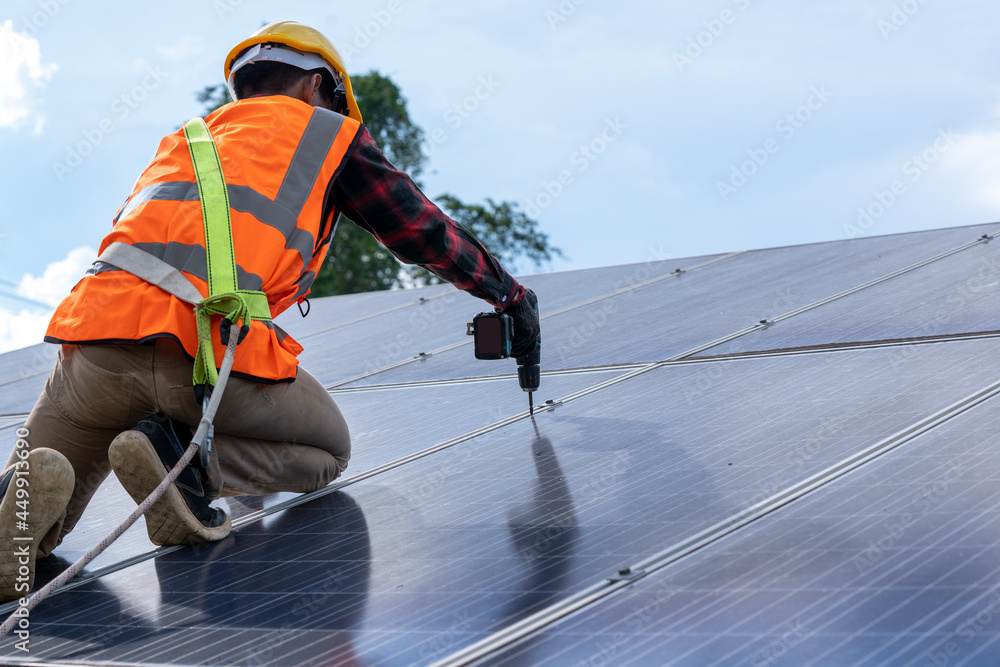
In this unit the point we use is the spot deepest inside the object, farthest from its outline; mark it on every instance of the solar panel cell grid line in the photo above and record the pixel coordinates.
(459, 539)
(398, 336)
(338, 311)
(837, 587)
(657, 561)
(335, 311)
(705, 306)
(379, 437)
(881, 613)
(947, 598)
(651, 560)
(9, 426)
(915, 584)
(954, 297)
(27, 361)
(19, 397)
(462, 508)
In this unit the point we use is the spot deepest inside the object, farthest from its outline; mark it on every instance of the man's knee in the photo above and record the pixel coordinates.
(333, 467)
(290, 467)
(334, 441)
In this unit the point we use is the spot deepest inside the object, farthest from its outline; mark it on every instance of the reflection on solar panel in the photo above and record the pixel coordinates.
(783, 456)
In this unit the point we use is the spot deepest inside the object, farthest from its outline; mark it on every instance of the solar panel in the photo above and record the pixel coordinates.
(27, 361)
(894, 564)
(380, 436)
(670, 317)
(401, 335)
(955, 295)
(499, 526)
(460, 518)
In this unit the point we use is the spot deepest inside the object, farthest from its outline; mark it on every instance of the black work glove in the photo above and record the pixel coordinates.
(527, 330)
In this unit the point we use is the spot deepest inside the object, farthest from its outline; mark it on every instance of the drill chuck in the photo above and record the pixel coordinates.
(529, 373)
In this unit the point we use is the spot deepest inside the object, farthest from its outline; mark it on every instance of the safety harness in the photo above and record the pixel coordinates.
(235, 305)
(224, 296)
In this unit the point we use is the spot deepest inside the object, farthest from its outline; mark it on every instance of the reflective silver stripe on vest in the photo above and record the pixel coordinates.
(247, 200)
(308, 160)
(171, 191)
(189, 258)
(283, 211)
(304, 282)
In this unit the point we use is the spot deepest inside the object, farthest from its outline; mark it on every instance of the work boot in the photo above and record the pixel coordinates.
(141, 459)
(25, 518)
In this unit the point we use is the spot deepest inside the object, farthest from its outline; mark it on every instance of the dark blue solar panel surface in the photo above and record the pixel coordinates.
(27, 362)
(895, 564)
(673, 316)
(957, 294)
(418, 561)
(338, 311)
(454, 546)
(382, 431)
(22, 377)
(400, 335)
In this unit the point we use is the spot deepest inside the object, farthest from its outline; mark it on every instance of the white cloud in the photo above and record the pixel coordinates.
(973, 163)
(21, 68)
(22, 329)
(185, 48)
(27, 326)
(58, 278)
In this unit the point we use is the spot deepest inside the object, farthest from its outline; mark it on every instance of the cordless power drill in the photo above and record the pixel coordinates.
(494, 336)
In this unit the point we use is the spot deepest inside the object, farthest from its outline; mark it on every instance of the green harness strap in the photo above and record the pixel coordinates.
(224, 298)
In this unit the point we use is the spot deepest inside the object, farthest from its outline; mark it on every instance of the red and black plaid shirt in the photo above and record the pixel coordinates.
(385, 202)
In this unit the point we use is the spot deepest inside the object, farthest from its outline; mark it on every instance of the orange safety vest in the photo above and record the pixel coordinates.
(279, 156)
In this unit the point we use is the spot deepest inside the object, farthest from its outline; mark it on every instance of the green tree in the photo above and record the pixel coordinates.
(214, 97)
(357, 262)
(384, 109)
(509, 234)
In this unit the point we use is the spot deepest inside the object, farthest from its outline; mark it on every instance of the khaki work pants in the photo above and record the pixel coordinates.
(282, 437)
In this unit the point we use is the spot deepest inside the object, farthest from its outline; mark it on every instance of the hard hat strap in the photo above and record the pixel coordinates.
(340, 98)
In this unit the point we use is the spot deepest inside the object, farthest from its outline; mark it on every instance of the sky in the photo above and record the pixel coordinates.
(631, 131)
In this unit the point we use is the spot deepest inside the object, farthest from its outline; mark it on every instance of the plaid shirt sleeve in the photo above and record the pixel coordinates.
(385, 202)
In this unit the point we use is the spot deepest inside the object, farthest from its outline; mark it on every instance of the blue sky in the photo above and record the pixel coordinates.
(631, 130)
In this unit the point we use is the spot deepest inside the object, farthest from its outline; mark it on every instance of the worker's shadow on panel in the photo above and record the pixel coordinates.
(544, 531)
(93, 604)
(306, 568)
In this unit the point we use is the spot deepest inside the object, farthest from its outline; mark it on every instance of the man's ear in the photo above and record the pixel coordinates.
(316, 99)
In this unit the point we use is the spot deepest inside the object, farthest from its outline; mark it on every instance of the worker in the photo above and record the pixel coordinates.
(294, 156)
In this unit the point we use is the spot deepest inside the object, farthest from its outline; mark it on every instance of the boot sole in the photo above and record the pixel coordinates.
(169, 521)
(50, 486)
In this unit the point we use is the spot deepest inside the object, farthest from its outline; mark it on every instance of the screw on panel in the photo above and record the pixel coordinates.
(626, 574)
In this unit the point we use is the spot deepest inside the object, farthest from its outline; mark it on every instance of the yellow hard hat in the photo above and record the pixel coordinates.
(295, 44)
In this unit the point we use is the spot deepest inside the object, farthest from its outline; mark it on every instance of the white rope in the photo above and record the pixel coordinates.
(196, 442)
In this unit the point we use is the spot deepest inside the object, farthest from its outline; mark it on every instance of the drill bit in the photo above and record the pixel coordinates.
(531, 404)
